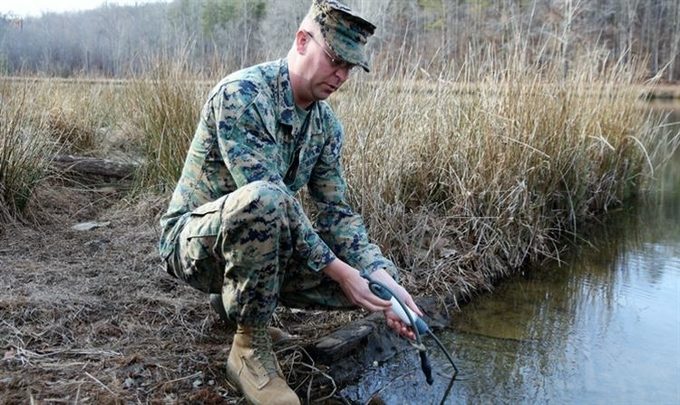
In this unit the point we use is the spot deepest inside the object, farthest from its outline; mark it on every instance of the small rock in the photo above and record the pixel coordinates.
(129, 382)
(9, 354)
(86, 226)
(198, 383)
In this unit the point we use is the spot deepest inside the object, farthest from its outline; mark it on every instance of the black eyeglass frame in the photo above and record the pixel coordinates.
(336, 62)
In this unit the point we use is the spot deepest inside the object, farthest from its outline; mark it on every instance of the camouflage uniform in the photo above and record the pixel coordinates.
(234, 225)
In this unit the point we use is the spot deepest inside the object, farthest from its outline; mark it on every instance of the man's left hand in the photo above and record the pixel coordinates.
(393, 321)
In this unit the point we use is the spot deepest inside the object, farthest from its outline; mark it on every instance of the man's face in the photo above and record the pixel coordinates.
(325, 72)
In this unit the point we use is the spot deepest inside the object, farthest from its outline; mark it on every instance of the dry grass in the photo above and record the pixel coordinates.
(40, 119)
(77, 114)
(461, 178)
(167, 103)
(25, 152)
(467, 177)
(91, 317)
(461, 190)
(78, 312)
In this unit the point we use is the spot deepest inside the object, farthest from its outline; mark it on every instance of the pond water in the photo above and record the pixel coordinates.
(604, 327)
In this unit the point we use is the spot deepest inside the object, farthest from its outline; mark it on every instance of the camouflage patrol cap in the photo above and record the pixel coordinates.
(343, 30)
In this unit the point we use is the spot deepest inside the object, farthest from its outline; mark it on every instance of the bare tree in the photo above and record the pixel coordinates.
(216, 36)
(675, 41)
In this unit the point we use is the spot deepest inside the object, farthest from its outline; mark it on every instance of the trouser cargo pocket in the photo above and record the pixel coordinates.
(196, 259)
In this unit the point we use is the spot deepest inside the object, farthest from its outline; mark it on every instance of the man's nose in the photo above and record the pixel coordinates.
(342, 73)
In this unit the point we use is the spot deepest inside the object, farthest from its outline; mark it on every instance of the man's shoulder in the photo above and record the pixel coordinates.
(242, 87)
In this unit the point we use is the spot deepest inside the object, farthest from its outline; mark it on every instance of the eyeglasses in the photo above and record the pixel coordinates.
(336, 62)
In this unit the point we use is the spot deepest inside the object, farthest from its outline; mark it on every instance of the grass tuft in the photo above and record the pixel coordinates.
(167, 103)
(25, 151)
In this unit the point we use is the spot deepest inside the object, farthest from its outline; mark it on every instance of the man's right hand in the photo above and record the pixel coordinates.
(355, 287)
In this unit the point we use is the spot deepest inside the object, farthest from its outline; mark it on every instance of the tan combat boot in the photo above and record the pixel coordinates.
(277, 335)
(252, 366)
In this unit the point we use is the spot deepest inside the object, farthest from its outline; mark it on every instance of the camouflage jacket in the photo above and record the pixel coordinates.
(248, 131)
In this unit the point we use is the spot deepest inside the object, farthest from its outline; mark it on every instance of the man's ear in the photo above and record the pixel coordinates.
(301, 41)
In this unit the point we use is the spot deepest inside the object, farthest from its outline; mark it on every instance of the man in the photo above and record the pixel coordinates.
(234, 228)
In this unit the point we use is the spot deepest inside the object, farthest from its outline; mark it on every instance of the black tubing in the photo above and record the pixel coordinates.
(427, 368)
(424, 361)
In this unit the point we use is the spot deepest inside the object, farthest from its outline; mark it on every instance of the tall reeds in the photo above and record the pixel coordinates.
(43, 117)
(473, 174)
(461, 177)
(166, 102)
(25, 150)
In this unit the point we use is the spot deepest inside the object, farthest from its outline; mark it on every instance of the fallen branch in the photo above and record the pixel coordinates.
(90, 166)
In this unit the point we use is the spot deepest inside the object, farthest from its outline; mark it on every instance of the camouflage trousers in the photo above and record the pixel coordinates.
(242, 245)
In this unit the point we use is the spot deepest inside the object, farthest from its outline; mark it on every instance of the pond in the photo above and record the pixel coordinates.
(604, 327)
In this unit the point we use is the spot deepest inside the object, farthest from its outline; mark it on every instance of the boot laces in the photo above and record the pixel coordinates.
(262, 343)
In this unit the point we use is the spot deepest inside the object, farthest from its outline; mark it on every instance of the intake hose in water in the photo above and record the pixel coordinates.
(419, 328)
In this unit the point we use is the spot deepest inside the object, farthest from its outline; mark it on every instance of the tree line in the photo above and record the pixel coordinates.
(222, 35)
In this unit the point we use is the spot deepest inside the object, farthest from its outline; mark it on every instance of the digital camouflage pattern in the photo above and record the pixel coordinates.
(234, 225)
(343, 31)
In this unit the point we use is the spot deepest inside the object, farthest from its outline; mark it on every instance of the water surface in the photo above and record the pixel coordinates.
(604, 327)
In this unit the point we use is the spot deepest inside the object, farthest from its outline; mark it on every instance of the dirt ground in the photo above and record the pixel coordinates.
(90, 316)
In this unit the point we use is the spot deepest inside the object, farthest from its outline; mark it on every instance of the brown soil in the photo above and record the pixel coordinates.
(91, 316)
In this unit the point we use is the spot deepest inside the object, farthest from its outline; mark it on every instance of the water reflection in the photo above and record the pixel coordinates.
(602, 328)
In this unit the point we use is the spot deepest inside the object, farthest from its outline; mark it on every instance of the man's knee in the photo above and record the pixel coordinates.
(263, 189)
(261, 198)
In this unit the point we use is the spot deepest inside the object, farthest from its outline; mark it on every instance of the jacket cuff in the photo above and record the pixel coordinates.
(320, 257)
(387, 266)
